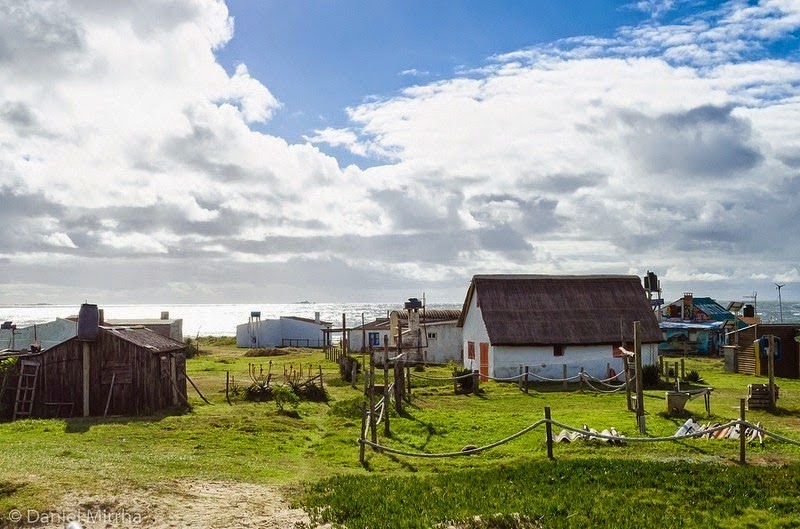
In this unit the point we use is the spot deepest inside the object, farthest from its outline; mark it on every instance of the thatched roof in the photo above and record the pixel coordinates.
(566, 310)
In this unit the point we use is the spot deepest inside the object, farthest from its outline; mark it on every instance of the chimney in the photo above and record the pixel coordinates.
(688, 306)
(101, 317)
(164, 315)
(316, 318)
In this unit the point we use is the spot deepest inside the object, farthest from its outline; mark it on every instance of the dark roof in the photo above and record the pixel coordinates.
(145, 338)
(378, 324)
(431, 315)
(566, 310)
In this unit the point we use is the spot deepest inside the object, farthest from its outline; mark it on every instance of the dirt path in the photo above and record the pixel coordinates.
(199, 504)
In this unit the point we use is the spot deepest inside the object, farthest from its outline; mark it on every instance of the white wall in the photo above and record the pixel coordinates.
(48, 334)
(594, 359)
(447, 344)
(355, 341)
(474, 330)
(271, 333)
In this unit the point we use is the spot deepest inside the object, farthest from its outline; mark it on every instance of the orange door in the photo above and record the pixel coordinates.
(484, 361)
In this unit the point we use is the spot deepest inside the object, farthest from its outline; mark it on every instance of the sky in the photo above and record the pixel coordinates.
(197, 151)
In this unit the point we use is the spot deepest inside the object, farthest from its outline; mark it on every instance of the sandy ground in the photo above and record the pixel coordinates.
(200, 504)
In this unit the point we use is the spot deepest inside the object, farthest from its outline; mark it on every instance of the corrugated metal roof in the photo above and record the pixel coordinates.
(145, 338)
(567, 310)
(431, 315)
(712, 309)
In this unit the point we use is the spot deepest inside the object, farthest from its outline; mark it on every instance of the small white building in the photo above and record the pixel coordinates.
(371, 334)
(555, 323)
(165, 326)
(40, 335)
(286, 331)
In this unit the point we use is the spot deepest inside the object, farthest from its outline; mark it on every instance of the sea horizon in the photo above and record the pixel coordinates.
(221, 319)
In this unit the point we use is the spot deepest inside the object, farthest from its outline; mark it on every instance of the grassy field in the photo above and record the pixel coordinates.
(314, 456)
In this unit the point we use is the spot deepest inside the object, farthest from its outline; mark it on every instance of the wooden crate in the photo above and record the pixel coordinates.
(758, 395)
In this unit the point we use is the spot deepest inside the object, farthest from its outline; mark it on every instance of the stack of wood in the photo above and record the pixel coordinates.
(758, 396)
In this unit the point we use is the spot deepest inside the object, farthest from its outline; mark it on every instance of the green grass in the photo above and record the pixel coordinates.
(251, 442)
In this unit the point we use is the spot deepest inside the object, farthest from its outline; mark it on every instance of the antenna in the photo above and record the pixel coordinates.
(779, 286)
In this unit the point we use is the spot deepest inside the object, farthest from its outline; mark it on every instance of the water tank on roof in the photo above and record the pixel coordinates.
(413, 303)
(749, 311)
(651, 282)
(88, 322)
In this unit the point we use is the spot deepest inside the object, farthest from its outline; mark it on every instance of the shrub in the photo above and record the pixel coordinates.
(650, 376)
(464, 384)
(693, 376)
(262, 351)
(259, 392)
(283, 395)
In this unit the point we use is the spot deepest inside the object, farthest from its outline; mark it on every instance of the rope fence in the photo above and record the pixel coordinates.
(743, 429)
(582, 377)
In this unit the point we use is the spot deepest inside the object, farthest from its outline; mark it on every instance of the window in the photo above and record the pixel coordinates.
(558, 350)
(374, 338)
(431, 336)
(471, 350)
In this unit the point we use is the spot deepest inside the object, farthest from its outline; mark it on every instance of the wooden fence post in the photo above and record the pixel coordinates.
(742, 442)
(683, 372)
(373, 426)
(361, 433)
(526, 379)
(476, 377)
(386, 399)
(549, 429)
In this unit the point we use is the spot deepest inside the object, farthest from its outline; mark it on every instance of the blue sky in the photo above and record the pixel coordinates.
(185, 151)
(319, 58)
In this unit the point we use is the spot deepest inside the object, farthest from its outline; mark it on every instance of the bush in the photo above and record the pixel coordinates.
(464, 384)
(283, 395)
(262, 351)
(259, 392)
(694, 376)
(650, 376)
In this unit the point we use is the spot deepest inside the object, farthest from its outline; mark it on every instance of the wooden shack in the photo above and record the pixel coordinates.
(123, 371)
(743, 358)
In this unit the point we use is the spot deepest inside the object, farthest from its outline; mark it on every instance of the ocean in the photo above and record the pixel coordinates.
(213, 319)
(222, 319)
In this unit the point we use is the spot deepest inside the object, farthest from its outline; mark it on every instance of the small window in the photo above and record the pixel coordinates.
(558, 350)
(431, 336)
(374, 338)
(471, 350)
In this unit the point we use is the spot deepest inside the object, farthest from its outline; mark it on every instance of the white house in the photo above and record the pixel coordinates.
(548, 322)
(289, 331)
(371, 333)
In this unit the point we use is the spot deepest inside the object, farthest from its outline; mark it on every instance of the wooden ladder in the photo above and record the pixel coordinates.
(26, 388)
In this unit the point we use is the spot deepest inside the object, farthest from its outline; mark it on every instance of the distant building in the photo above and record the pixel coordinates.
(286, 331)
(38, 336)
(549, 322)
(165, 326)
(694, 325)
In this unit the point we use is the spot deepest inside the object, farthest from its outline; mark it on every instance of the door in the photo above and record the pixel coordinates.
(484, 361)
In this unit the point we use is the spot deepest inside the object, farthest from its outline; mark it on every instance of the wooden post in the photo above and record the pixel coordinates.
(771, 371)
(227, 386)
(526, 379)
(86, 383)
(399, 385)
(683, 371)
(676, 372)
(742, 443)
(386, 430)
(564, 375)
(373, 426)
(549, 429)
(363, 334)
(354, 373)
(361, 433)
(345, 348)
(476, 377)
(626, 365)
(637, 350)
(661, 370)
(408, 383)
